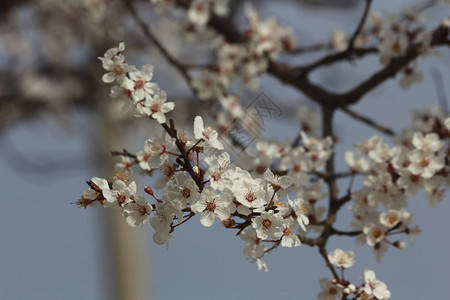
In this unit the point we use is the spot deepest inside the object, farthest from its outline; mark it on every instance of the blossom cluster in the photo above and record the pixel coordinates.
(336, 289)
(273, 191)
(245, 62)
(212, 187)
(418, 161)
(393, 36)
(135, 86)
(198, 11)
(235, 63)
(222, 191)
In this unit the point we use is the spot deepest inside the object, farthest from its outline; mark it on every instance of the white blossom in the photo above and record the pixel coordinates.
(289, 238)
(138, 212)
(329, 291)
(120, 195)
(154, 106)
(161, 222)
(160, 147)
(213, 206)
(374, 287)
(269, 225)
(341, 259)
(207, 135)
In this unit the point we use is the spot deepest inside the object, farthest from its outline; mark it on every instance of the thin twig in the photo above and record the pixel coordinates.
(350, 185)
(186, 162)
(124, 153)
(368, 121)
(440, 88)
(358, 29)
(420, 7)
(188, 217)
(324, 254)
(149, 35)
(277, 243)
(337, 57)
(309, 48)
(347, 233)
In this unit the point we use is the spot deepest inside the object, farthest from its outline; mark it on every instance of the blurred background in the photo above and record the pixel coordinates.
(58, 126)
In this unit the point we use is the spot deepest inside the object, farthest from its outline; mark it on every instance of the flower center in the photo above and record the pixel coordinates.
(186, 192)
(121, 198)
(287, 231)
(205, 135)
(146, 156)
(425, 162)
(117, 70)
(159, 148)
(250, 197)
(168, 171)
(365, 200)
(397, 47)
(155, 107)
(216, 176)
(392, 219)
(376, 233)
(211, 206)
(382, 189)
(139, 84)
(142, 210)
(127, 93)
(414, 178)
(266, 223)
(200, 8)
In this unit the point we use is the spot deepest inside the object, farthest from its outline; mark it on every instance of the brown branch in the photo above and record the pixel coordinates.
(124, 153)
(344, 200)
(420, 7)
(297, 77)
(309, 48)
(358, 29)
(186, 162)
(188, 217)
(368, 121)
(336, 57)
(277, 243)
(149, 35)
(327, 125)
(310, 241)
(324, 254)
(334, 231)
(439, 37)
(440, 88)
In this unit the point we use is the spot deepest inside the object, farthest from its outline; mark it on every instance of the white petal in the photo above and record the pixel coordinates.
(207, 218)
(198, 127)
(108, 77)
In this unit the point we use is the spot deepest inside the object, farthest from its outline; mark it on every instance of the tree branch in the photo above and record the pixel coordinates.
(440, 89)
(358, 29)
(324, 254)
(149, 35)
(368, 121)
(439, 37)
(336, 57)
(297, 77)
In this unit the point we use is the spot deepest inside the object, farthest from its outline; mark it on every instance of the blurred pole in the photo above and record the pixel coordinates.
(124, 248)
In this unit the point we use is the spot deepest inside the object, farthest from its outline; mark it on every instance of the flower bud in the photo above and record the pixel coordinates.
(148, 190)
(400, 245)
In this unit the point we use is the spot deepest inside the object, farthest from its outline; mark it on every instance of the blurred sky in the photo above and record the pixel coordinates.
(51, 250)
